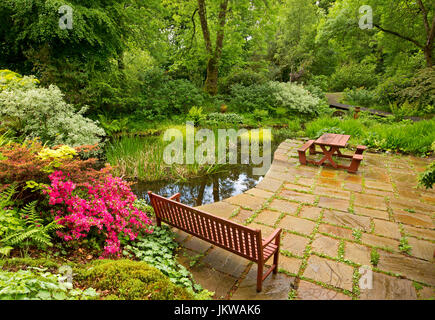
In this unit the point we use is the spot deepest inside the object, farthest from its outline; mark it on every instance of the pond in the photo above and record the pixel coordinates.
(236, 179)
(204, 190)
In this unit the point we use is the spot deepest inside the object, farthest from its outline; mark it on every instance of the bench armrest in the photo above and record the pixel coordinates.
(175, 197)
(273, 236)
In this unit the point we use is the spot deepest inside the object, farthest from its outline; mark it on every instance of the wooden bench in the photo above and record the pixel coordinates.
(233, 237)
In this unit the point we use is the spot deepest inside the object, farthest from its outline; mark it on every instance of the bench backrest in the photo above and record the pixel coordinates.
(241, 240)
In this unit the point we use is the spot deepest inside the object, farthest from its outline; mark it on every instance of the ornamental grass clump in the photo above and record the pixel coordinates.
(104, 208)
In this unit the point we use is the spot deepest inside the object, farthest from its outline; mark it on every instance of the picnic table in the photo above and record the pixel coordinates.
(330, 145)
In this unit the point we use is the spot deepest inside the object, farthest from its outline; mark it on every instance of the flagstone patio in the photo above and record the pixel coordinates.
(334, 223)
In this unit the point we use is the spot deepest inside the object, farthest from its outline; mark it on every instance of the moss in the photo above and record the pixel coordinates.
(130, 280)
(14, 264)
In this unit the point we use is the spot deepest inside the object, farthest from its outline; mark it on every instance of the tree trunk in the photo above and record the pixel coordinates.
(428, 56)
(211, 83)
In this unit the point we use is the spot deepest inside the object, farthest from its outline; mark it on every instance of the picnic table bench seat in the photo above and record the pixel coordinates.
(238, 239)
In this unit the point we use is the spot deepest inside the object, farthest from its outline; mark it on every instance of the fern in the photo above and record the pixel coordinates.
(34, 230)
(6, 196)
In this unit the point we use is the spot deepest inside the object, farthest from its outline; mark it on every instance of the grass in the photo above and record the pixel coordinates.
(406, 136)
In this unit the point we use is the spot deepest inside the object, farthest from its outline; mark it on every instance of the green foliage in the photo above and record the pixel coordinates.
(131, 280)
(158, 250)
(257, 96)
(260, 115)
(220, 119)
(361, 97)
(36, 284)
(33, 229)
(113, 126)
(10, 80)
(243, 77)
(374, 257)
(272, 96)
(404, 245)
(421, 90)
(43, 113)
(196, 115)
(354, 75)
(427, 179)
(406, 136)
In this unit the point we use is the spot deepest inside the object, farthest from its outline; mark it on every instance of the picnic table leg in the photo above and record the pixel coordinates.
(328, 156)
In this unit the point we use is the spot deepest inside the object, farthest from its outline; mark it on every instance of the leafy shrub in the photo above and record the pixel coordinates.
(157, 250)
(196, 115)
(131, 280)
(320, 81)
(105, 208)
(22, 226)
(248, 99)
(273, 96)
(260, 115)
(335, 130)
(388, 90)
(361, 97)
(244, 77)
(43, 113)
(39, 285)
(168, 97)
(22, 163)
(295, 99)
(10, 80)
(421, 90)
(405, 136)
(427, 179)
(354, 75)
(114, 126)
(224, 118)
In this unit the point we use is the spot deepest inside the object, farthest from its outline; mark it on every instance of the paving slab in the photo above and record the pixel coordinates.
(260, 193)
(347, 219)
(325, 245)
(381, 242)
(226, 262)
(385, 287)
(370, 201)
(298, 225)
(213, 280)
(298, 196)
(268, 184)
(387, 229)
(330, 272)
(268, 217)
(220, 209)
(422, 249)
(294, 244)
(284, 206)
(289, 264)
(411, 268)
(331, 203)
(336, 231)
(246, 201)
(311, 291)
(275, 287)
(312, 213)
(357, 253)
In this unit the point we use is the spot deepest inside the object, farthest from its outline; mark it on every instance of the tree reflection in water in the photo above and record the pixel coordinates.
(199, 191)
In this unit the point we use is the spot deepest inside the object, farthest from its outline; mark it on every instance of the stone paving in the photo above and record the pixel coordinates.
(346, 236)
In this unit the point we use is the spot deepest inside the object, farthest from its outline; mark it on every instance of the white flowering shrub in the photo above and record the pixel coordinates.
(295, 98)
(43, 113)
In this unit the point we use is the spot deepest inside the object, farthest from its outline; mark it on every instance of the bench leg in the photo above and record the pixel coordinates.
(159, 222)
(275, 262)
(354, 166)
(260, 277)
(302, 158)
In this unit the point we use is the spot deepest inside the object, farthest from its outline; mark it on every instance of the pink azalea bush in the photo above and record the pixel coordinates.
(106, 206)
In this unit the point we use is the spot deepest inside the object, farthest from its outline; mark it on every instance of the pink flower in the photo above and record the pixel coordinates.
(106, 207)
